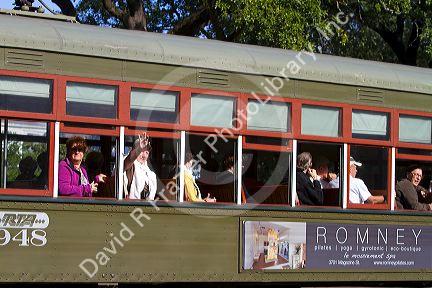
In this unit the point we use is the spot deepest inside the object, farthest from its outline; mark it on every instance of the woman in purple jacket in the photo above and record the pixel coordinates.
(73, 179)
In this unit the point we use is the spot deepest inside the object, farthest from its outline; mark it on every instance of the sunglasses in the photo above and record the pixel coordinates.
(77, 149)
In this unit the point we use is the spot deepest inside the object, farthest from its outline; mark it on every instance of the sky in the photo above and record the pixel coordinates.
(9, 4)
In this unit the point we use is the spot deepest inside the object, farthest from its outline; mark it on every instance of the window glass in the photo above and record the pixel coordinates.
(162, 161)
(25, 94)
(415, 129)
(26, 154)
(271, 116)
(100, 157)
(370, 165)
(91, 100)
(212, 111)
(154, 105)
(326, 159)
(266, 177)
(320, 121)
(214, 169)
(370, 125)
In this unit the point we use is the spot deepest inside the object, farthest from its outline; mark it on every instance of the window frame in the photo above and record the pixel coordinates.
(124, 113)
(391, 125)
(174, 135)
(61, 109)
(33, 115)
(270, 148)
(382, 206)
(188, 127)
(231, 137)
(244, 100)
(408, 145)
(37, 192)
(297, 117)
(75, 129)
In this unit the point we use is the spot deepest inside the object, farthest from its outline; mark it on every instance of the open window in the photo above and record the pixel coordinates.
(369, 169)
(100, 158)
(266, 177)
(326, 160)
(215, 171)
(163, 162)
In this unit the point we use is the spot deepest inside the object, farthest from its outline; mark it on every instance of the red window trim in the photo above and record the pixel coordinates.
(267, 147)
(61, 108)
(33, 115)
(25, 192)
(206, 134)
(400, 144)
(342, 119)
(422, 158)
(186, 124)
(182, 93)
(152, 133)
(89, 131)
(257, 97)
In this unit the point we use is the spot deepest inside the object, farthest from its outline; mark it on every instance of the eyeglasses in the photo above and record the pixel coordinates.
(417, 175)
(77, 149)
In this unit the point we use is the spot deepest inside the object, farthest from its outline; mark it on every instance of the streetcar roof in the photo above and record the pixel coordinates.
(72, 38)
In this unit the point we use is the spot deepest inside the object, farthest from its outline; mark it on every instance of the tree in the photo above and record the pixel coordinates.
(403, 26)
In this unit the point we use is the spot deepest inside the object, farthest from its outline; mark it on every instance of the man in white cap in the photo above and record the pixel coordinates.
(359, 193)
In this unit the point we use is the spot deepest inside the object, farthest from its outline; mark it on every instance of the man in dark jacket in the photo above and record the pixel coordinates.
(408, 191)
(308, 186)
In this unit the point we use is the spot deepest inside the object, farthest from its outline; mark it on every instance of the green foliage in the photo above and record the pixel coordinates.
(18, 150)
(391, 30)
(282, 24)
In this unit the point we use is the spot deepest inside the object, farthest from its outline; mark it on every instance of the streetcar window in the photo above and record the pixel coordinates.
(415, 129)
(326, 160)
(370, 125)
(320, 121)
(215, 171)
(214, 111)
(154, 105)
(163, 161)
(371, 166)
(99, 158)
(402, 166)
(25, 94)
(266, 177)
(91, 100)
(24, 154)
(271, 116)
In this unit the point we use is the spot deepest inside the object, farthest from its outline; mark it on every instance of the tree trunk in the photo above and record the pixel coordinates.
(66, 7)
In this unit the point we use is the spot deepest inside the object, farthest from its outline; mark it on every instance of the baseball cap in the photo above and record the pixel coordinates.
(354, 162)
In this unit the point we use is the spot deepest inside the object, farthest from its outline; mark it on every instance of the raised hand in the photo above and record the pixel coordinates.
(143, 140)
